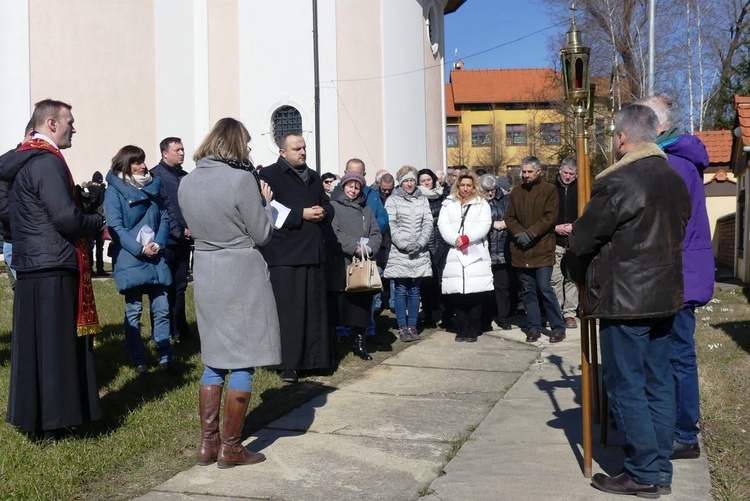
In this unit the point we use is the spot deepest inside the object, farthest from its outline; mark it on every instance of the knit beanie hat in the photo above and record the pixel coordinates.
(97, 177)
(353, 176)
(503, 182)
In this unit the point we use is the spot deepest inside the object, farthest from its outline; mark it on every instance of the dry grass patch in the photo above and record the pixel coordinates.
(723, 347)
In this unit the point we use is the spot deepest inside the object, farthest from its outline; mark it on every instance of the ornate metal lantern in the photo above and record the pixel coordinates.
(574, 59)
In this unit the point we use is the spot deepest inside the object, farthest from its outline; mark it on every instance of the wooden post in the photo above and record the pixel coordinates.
(584, 194)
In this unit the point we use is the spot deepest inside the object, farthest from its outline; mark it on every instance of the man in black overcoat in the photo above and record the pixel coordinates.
(295, 260)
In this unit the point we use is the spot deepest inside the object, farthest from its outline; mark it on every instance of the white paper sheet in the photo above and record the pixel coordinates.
(474, 253)
(280, 213)
(145, 235)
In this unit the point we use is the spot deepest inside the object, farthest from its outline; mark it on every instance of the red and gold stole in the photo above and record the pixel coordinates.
(87, 320)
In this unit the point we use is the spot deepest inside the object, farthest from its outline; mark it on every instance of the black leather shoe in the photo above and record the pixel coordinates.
(533, 336)
(685, 451)
(622, 484)
(665, 490)
(557, 337)
(504, 325)
(288, 376)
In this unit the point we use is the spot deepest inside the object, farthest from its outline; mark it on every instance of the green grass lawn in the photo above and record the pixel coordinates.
(150, 428)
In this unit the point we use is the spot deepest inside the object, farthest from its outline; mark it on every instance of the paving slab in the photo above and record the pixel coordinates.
(432, 382)
(316, 467)
(386, 416)
(489, 353)
(490, 471)
(546, 382)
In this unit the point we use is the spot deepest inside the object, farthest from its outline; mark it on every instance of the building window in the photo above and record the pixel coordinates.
(285, 120)
(551, 133)
(451, 136)
(515, 135)
(481, 135)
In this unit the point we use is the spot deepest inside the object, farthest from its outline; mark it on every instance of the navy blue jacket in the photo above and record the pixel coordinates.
(128, 210)
(43, 212)
(170, 182)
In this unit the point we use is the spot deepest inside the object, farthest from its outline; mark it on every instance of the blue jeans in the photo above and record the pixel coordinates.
(157, 296)
(7, 256)
(531, 280)
(638, 377)
(239, 379)
(685, 372)
(406, 301)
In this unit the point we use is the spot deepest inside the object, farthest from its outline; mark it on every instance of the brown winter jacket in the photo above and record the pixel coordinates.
(533, 208)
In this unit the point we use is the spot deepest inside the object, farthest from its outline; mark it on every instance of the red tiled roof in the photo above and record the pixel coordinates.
(718, 144)
(742, 105)
(450, 105)
(720, 177)
(506, 86)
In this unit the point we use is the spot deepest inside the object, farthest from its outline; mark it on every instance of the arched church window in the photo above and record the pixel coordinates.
(285, 120)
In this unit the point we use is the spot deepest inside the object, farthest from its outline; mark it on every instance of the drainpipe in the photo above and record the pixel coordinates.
(316, 71)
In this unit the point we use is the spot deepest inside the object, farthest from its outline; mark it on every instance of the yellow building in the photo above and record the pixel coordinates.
(495, 118)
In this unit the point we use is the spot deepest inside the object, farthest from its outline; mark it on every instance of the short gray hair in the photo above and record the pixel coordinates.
(533, 161)
(488, 182)
(638, 122)
(569, 162)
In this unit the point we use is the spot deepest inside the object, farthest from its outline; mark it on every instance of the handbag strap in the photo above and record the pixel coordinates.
(463, 218)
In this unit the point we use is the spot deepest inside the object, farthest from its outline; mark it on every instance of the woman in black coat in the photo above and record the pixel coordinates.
(430, 287)
(496, 192)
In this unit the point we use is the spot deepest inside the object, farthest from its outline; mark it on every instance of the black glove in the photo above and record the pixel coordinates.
(523, 240)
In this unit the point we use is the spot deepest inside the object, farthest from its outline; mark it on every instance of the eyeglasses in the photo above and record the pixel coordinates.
(328, 181)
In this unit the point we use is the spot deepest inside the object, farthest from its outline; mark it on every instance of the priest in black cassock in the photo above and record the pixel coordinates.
(52, 376)
(295, 260)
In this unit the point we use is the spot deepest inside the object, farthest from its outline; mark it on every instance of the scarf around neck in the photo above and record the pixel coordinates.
(138, 180)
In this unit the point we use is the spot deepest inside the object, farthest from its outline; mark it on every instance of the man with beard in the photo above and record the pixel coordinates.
(295, 260)
(52, 379)
(530, 218)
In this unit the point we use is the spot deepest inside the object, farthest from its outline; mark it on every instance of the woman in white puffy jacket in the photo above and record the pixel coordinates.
(410, 222)
(464, 223)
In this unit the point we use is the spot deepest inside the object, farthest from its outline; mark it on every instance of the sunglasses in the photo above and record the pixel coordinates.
(328, 181)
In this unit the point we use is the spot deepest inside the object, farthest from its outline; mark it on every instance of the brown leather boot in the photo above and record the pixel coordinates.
(231, 452)
(209, 402)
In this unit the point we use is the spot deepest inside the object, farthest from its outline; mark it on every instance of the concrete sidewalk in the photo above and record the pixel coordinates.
(512, 408)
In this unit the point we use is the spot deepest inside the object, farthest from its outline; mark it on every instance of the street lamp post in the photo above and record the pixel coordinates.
(574, 59)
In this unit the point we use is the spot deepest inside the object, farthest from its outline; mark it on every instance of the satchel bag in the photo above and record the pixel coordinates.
(362, 275)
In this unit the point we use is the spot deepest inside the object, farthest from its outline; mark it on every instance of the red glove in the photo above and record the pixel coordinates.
(464, 242)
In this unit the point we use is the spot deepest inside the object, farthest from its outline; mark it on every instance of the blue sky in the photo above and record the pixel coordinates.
(482, 24)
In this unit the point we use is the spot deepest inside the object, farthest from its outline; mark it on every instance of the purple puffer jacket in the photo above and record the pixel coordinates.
(687, 155)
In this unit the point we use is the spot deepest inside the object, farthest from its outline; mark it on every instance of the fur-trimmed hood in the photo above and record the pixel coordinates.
(640, 152)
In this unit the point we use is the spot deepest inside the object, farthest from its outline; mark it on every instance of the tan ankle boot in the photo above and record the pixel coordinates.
(209, 403)
(231, 452)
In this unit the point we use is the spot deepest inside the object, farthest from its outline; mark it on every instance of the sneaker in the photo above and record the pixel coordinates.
(414, 334)
(404, 335)
(140, 369)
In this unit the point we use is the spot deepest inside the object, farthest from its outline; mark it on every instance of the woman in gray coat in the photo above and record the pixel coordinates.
(227, 210)
(353, 231)
(410, 222)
